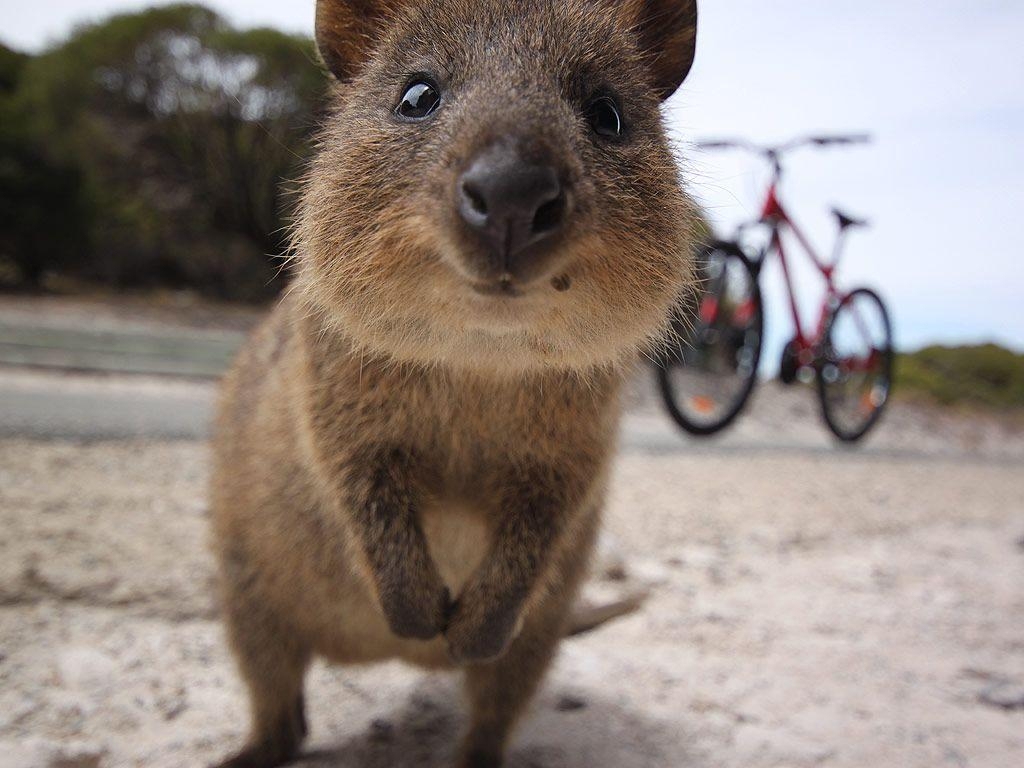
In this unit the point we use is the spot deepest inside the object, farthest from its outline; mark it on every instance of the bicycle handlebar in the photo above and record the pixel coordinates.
(772, 152)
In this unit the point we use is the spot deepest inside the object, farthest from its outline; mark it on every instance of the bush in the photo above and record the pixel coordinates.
(43, 215)
(169, 133)
(985, 375)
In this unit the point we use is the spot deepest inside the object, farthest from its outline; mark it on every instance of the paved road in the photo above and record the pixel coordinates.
(129, 385)
(96, 377)
(84, 407)
(46, 405)
(65, 406)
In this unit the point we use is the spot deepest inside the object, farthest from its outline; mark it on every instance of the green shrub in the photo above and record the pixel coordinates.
(985, 375)
(44, 216)
(172, 131)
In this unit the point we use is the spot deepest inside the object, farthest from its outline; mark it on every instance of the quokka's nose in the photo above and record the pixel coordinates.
(511, 205)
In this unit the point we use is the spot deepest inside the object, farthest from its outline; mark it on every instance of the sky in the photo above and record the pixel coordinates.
(938, 84)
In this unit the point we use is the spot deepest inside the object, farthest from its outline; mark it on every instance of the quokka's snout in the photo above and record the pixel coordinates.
(513, 211)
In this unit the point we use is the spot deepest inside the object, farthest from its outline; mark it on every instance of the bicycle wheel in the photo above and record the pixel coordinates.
(710, 363)
(855, 365)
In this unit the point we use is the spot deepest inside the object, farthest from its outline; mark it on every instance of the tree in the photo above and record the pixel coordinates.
(43, 216)
(180, 130)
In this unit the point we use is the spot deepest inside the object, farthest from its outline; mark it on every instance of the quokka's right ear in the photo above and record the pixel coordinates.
(346, 31)
(667, 33)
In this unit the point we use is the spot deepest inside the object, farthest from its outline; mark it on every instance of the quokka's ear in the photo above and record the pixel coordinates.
(667, 31)
(346, 31)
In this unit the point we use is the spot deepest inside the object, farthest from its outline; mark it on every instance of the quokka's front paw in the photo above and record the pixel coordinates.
(418, 612)
(480, 631)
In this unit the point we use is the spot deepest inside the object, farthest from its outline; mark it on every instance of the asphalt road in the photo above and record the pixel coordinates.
(45, 405)
(48, 405)
(116, 348)
(93, 408)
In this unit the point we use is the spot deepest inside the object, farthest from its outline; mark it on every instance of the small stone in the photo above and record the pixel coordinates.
(77, 760)
(382, 731)
(954, 757)
(174, 708)
(1005, 695)
(980, 674)
(615, 572)
(569, 703)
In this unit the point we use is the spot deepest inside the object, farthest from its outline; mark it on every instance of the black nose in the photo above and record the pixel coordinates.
(511, 204)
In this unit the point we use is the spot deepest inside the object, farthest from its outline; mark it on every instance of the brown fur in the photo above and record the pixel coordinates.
(405, 467)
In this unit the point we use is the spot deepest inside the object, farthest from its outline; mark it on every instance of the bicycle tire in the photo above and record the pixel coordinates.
(848, 435)
(667, 389)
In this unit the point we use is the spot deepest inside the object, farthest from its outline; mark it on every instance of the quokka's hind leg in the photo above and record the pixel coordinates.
(273, 662)
(499, 691)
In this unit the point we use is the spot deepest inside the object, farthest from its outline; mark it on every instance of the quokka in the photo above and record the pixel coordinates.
(411, 452)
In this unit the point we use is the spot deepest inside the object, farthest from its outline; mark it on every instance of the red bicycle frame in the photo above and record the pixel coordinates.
(775, 216)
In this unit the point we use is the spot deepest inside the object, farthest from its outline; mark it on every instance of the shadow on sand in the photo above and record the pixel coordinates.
(580, 732)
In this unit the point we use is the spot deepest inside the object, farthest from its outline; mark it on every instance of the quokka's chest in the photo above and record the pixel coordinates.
(459, 534)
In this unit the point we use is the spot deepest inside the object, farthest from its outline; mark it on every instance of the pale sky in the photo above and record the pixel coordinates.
(940, 85)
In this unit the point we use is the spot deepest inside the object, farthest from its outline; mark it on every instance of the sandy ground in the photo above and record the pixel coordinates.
(809, 607)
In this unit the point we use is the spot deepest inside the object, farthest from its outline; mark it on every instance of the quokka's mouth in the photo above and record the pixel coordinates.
(509, 287)
(504, 287)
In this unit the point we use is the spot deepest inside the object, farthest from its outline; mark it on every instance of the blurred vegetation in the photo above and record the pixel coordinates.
(986, 375)
(149, 149)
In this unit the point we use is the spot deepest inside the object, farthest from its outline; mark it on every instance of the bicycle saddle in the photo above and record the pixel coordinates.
(848, 221)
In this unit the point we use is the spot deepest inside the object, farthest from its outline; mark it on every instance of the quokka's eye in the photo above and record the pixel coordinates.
(419, 100)
(605, 119)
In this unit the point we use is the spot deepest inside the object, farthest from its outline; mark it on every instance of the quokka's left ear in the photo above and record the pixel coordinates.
(667, 33)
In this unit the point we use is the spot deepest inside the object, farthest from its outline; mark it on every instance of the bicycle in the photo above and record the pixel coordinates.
(708, 369)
